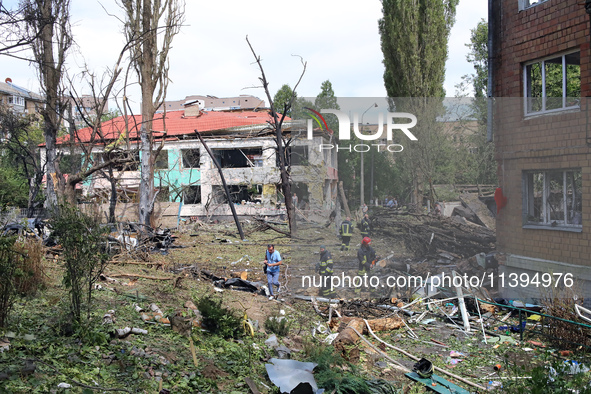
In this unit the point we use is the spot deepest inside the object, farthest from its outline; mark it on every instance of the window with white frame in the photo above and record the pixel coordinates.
(552, 84)
(553, 198)
(16, 100)
(523, 4)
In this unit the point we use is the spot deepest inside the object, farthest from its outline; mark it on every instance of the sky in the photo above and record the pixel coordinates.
(338, 40)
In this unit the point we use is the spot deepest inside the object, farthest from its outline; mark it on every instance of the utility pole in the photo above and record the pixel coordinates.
(361, 185)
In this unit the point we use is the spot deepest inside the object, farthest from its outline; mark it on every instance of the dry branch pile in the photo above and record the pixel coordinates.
(426, 236)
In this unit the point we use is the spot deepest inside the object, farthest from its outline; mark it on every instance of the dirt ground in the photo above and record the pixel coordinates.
(169, 278)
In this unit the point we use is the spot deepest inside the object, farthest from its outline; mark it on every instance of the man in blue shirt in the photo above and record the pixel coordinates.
(272, 261)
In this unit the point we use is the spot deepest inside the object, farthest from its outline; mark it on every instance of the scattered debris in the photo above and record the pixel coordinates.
(427, 237)
(123, 332)
(292, 376)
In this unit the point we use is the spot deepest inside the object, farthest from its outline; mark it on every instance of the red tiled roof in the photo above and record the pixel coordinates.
(176, 124)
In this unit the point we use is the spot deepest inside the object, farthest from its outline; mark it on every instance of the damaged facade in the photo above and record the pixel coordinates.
(186, 178)
(542, 133)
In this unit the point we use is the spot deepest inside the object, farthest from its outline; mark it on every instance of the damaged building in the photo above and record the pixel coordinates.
(186, 179)
(542, 130)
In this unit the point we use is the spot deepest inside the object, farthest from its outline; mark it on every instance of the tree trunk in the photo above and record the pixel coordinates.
(113, 199)
(146, 179)
(344, 199)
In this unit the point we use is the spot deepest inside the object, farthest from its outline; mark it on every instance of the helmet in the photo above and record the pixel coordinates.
(365, 241)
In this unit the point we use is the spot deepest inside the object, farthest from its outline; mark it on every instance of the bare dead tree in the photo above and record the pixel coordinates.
(14, 37)
(153, 41)
(48, 23)
(276, 123)
(100, 93)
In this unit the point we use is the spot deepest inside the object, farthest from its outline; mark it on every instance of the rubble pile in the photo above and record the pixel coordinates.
(428, 236)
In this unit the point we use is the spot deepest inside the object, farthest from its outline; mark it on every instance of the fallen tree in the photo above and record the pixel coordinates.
(426, 236)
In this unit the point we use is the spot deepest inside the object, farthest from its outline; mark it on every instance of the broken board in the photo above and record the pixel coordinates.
(438, 384)
(480, 209)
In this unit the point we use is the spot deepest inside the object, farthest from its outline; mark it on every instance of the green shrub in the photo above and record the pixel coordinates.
(83, 242)
(218, 319)
(334, 373)
(278, 325)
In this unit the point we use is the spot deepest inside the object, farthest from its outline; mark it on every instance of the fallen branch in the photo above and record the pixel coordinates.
(193, 351)
(350, 336)
(380, 352)
(138, 276)
(135, 262)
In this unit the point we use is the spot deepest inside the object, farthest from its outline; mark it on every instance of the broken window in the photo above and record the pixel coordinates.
(553, 198)
(131, 165)
(161, 162)
(238, 158)
(190, 158)
(238, 193)
(553, 84)
(192, 194)
(298, 155)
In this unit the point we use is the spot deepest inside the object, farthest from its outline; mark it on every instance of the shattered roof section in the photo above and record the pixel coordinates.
(176, 124)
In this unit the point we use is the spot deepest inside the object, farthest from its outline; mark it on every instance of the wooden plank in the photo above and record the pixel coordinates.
(252, 386)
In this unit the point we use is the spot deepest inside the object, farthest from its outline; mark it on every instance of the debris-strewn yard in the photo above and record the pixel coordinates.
(173, 321)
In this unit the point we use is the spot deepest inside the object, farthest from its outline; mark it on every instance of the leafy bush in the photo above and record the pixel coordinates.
(218, 319)
(21, 271)
(83, 242)
(278, 325)
(334, 373)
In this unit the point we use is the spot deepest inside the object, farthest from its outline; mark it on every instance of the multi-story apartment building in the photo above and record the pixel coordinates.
(542, 131)
(20, 99)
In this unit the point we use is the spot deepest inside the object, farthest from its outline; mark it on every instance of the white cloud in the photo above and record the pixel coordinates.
(338, 39)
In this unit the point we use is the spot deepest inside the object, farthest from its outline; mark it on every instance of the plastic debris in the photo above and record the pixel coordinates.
(329, 339)
(283, 352)
(272, 341)
(290, 375)
(123, 332)
(4, 345)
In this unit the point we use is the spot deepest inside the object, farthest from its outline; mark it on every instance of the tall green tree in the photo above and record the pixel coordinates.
(282, 100)
(478, 56)
(482, 160)
(21, 170)
(326, 98)
(414, 35)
